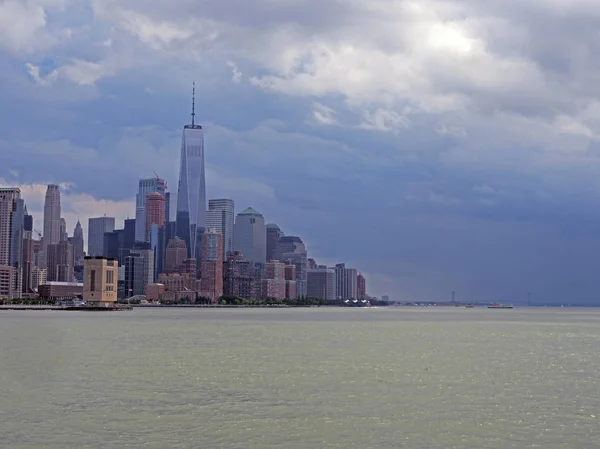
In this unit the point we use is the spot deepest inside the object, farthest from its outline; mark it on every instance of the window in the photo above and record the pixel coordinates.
(93, 280)
(110, 277)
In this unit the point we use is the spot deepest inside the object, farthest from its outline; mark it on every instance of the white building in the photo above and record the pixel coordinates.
(346, 282)
(250, 235)
(220, 216)
(96, 229)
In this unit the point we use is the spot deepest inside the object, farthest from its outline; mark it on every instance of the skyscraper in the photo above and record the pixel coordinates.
(220, 216)
(60, 262)
(64, 236)
(51, 219)
(211, 281)
(27, 252)
(78, 244)
(96, 229)
(155, 211)
(361, 287)
(345, 282)
(191, 193)
(250, 236)
(146, 186)
(274, 233)
(12, 216)
(321, 283)
(292, 249)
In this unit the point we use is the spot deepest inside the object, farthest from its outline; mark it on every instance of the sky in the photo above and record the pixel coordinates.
(435, 145)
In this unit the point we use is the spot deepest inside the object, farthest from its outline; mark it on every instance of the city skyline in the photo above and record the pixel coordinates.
(454, 150)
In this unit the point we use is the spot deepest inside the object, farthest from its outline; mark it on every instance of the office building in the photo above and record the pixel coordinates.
(290, 281)
(274, 233)
(249, 235)
(64, 236)
(220, 216)
(51, 219)
(100, 277)
(78, 244)
(176, 253)
(346, 282)
(60, 262)
(27, 259)
(129, 238)
(321, 283)
(97, 227)
(138, 272)
(211, 278)
(191, 193)
(12, 234)
(145, 187)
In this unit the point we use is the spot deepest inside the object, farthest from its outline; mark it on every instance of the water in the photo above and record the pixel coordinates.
(305, 378)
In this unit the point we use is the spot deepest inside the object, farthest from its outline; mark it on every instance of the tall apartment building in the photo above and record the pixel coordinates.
(97, 227)
(321, 283)
(155, 211)
(146, 186)
(250, 236)
(211, 278)
(220, 216)
(346, 284)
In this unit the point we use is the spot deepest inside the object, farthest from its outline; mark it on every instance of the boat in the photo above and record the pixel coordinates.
(495, 305)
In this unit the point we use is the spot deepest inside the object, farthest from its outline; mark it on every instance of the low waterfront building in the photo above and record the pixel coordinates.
(100, 279)
(60, 291)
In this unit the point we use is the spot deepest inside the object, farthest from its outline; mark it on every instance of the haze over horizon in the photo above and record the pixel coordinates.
(436, 145)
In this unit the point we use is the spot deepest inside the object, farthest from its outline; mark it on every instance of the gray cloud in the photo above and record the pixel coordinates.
(439, 145)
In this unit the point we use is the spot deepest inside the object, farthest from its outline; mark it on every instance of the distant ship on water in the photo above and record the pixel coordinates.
(495, 305)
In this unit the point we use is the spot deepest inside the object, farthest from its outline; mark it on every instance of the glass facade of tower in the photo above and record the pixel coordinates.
(191, 194)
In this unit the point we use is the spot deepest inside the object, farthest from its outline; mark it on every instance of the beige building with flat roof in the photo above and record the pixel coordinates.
(100, 279)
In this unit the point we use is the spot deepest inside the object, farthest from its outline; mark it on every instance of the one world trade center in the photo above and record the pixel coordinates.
(191, 194)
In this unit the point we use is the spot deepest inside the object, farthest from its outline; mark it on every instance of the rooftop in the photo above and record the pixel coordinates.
(250, 211)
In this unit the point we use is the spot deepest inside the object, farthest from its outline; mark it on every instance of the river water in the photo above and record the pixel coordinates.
(300, 378)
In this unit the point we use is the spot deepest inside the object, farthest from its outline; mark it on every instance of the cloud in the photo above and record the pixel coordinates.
(453, 140)
(236, 74)
(324, 115)
(24, 25)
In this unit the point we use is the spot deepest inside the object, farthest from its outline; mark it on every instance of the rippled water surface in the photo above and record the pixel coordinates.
(304, 378)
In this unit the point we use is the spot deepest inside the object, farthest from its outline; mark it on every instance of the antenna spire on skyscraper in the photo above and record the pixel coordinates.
(193, 102)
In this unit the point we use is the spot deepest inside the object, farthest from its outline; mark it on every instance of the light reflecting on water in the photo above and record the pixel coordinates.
(305, 378)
